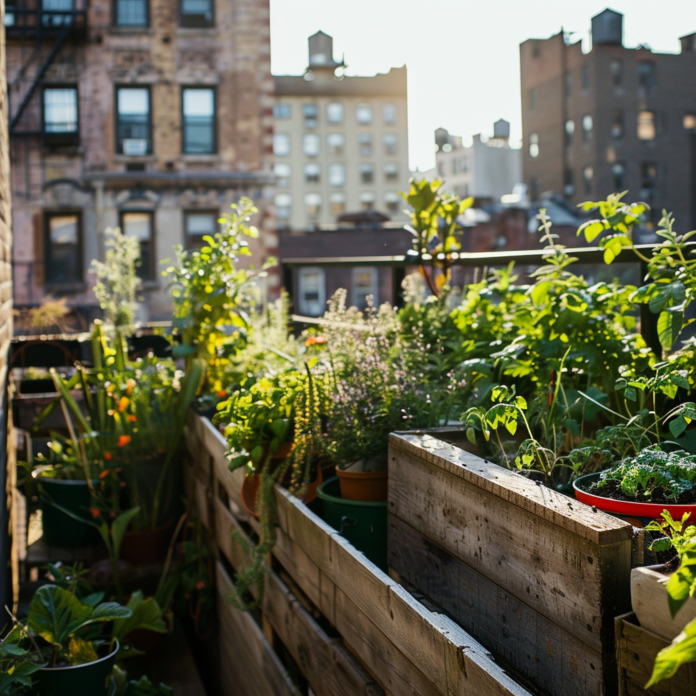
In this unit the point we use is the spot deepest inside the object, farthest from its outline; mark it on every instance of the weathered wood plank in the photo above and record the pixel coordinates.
(551, 569)
(327, 665)
(225, 524)
(249, 665)
(548, 504)
(200, 494)
(636, 649)
(541, 651)
(410, 627)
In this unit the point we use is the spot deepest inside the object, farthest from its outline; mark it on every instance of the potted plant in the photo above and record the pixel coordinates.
(641, 487)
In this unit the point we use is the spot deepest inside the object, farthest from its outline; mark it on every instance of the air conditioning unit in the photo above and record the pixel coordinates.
(135, 147)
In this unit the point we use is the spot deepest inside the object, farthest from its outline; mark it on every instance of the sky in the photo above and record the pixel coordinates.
(462, 55)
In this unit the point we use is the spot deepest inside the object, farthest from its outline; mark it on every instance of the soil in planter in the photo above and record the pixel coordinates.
(612, 490)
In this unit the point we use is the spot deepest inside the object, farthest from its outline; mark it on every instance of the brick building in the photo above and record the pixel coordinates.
(150, 115)
(341, 142)
(613, 119)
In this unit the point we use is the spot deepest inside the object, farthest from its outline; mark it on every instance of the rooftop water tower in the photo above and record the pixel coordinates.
(607, 28)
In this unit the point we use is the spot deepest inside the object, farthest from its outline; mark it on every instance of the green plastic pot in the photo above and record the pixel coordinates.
(59, 529)
(362, 523)
(91, 679)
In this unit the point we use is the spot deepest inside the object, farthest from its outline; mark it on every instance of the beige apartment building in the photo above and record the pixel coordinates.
(340, 143)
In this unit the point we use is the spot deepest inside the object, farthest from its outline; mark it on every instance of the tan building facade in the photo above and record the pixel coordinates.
(613, 119)
(340, 142)
(150, 115)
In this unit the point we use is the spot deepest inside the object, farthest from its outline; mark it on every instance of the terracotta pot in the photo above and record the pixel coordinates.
(650, 603)
(368, 486)
(148, 547)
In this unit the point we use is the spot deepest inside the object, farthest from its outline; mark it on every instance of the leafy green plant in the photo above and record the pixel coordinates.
(653, 475)
(117, 280)
(16, 665)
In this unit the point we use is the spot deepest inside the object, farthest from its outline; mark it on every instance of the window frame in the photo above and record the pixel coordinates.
(197, 26)
(188, 212)
(114, 22)
(289, 140)
(312, 178)
(329, 147)
(654, 125)
(330, 121)
(199, 88)
(152, 277)
(374, 277)
(316, 138)
(150, 148)
(366, 171)
(47, 215)
(66, 136)
(321, 290)
(390, 140)
(372, 114)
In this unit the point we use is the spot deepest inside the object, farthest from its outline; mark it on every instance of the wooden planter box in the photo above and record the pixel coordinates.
(533, 575)
(636, 649)
(347, 627)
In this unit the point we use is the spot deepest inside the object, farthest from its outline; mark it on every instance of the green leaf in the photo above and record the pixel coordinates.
(630, 393)
(671, 658)
(663, 544)
(55, 614)
(471, 435)
(145, 615)
(677, 426)
(591, 230)
(81, 652)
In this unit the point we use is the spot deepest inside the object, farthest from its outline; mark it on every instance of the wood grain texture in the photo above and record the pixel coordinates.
(551, 658)
(548, 567)
(249, 665)
(636, 649)
(327, 665)
(543, 502)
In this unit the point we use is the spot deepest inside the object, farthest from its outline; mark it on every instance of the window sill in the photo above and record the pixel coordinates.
(197, 31)
(67, 288)
(127, 30)
(134, 158)
(201, 158)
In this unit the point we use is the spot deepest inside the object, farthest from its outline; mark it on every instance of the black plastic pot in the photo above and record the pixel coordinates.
(92, 679)
(59, 528)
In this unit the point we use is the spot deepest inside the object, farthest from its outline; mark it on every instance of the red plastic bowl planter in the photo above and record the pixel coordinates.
(637, 512)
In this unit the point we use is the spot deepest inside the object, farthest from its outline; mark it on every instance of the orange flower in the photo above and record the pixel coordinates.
(104, 473)
(108, 456)
(130, 384)
(200, 584)
(132, 418)
(222, 394)
(95, 512)
(124, 440)
(315, 341)
(123, 403)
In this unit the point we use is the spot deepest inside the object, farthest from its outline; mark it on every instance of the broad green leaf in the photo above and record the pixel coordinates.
(671, 658)
(145, 614)
(471, 435)
(677, 426)
(55, 614)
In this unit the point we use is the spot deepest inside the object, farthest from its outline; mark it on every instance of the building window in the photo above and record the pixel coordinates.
(312, 291)
(60, 114)
(311, 114)
(283, 205)
(569, 130)
(63, 248)
(532, 99)
(441, 168)
(455, 165)
(364, 114)
(198, 224)
(133, 121)
(617, 125)
(283, 172)
(334, 112)
(131, 13)
(391, 171)
(646, 74)
(585, 78)
(364, 286)
(391, 143)
(389, 114)
(587, 174)
(690, 121)
(337, 174)
(586, 128)
(367, 173)
(464, 164)
(619, 173)
(196, 13)
(367, 200)
(392, 201)
(534, 145)
(646, 125)
(199, 121)
(336, 143)
(568, 84)
(568, 183)
(281, 145)
(139, 225)
(365, 142)
(648, 182)
(282, 111)
(312, 205)
(59, 12)
(310, 145)
(312, 172)
(616, 72)
(338, 203)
